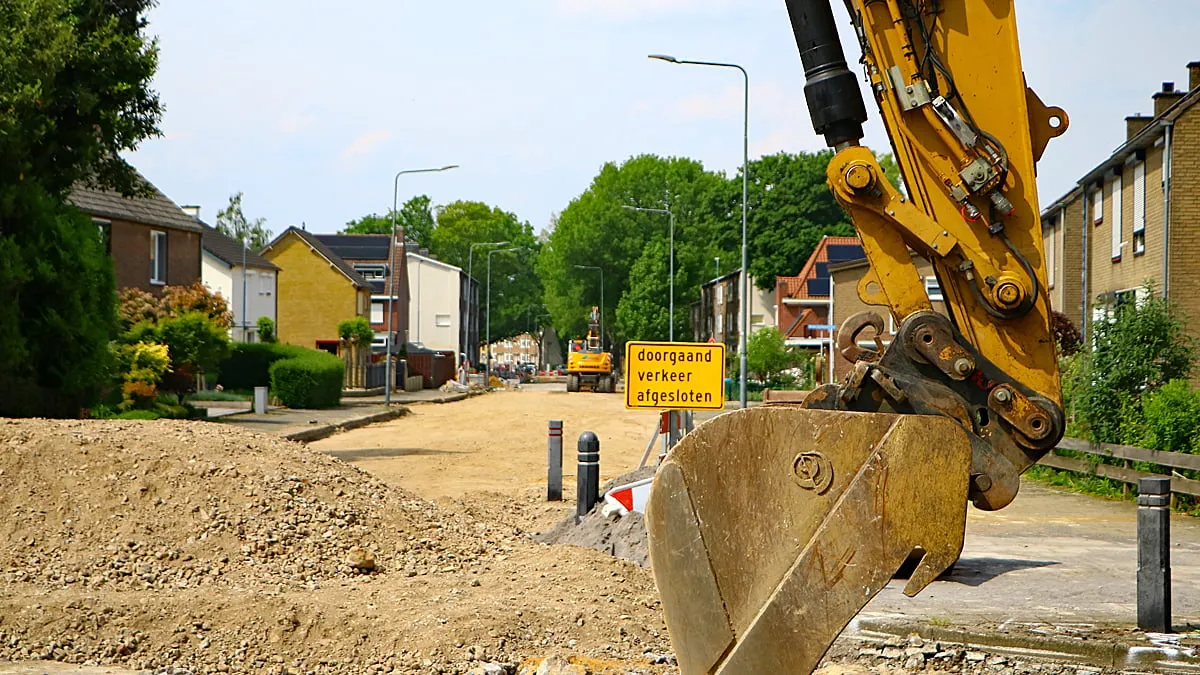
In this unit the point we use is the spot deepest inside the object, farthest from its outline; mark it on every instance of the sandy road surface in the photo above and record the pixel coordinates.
(495, 442)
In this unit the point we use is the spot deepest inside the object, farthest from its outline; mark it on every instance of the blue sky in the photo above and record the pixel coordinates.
(310, 107)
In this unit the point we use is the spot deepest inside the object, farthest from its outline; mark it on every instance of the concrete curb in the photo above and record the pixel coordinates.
(1100, 653)
(327, 430)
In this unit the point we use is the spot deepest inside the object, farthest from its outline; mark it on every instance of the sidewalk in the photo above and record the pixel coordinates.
(310, 425)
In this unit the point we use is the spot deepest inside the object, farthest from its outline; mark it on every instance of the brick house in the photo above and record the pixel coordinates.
(372, 256)
(153, 242)
(803, 302)
(316, 290)
(514, 351)
(716, 316)
(1133, 218)
(844, 302)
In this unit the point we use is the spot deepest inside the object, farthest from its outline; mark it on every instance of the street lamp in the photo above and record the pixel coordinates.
(391, 284)
(489, 306)
(474, 315)
(745, 332)
(671, 311)
(601, 270)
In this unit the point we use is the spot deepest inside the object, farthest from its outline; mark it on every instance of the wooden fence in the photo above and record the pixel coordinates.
(1127, 453)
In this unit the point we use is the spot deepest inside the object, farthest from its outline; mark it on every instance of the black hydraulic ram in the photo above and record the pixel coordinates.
(835, 102)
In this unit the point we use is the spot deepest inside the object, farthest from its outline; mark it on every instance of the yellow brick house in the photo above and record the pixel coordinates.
(1134, 217)
(316, 290)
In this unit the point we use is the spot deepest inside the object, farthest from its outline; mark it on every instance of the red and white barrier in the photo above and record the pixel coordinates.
(630, 497)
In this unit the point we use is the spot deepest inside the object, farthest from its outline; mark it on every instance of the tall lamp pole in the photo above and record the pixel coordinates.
(391, 283)
(489, 307)
(745, 332)
(474, 316)
(601, 270)
(671, 311)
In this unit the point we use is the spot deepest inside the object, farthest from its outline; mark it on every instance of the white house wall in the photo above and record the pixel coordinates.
(433, 307)
(260, 290)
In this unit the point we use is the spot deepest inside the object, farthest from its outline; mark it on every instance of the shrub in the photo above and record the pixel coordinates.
(136, 306)
(249, 364)
(313, 380)
(1066, 335)
(196, 342)
(356, 329)
(266, 329)
(1171, 418)
(1138, 348)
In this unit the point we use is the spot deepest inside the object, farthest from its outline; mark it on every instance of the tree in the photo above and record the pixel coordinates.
(595, 230)
(767, 355)
(515, 283)
(416, 217)
(75, 81)
(233, 223)
(791, 209)
(75, 85)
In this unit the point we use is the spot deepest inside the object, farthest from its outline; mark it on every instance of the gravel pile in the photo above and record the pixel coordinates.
(184, 505)
(623, 537)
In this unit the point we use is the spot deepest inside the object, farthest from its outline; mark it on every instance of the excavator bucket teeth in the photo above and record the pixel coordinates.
(770, 528)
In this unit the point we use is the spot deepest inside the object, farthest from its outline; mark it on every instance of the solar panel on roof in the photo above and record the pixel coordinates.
(822, 269)
(818, 287)
(845, 252)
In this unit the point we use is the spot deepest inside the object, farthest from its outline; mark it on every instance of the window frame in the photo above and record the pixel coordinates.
(1118, 208)
(934, 290)
(158, 259)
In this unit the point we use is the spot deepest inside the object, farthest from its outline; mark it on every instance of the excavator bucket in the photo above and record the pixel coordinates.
(770, 528)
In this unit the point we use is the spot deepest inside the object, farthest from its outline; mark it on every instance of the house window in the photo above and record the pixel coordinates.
(1117, 185)
(720, 294)
(1139, 208)
(1098, 205)
(376, 312)
(1051, 242)
(375, 272)
(265, 283)
(105, 228)
(441, 320)
(756, 319)
(158, 258)
(720, 323)
(525, 344)
(933, 290)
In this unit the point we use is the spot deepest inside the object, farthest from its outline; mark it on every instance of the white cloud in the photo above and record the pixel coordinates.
(365, 146)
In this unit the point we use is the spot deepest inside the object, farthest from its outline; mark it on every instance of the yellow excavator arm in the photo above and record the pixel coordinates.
(771, 528)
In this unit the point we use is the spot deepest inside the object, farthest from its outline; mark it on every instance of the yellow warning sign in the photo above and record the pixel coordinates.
(674, 375)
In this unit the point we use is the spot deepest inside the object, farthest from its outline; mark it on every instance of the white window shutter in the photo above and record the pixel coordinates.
(1098, 204)
(1139, 197)
(1116, 216)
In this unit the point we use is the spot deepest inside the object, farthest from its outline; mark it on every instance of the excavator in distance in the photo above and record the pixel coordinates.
(770, 528)
(588, 365)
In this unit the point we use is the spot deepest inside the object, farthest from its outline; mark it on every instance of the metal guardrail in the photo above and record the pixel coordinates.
(1128, 453)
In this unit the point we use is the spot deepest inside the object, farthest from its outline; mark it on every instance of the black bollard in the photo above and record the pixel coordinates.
(554, 462)
(587, 476)
(1154, 555)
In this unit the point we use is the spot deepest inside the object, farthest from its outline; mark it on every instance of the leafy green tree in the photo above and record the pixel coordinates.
(416, 217)
(595, 230)
(195, 343)
(791, 209)
(1136, 349)
(514, 283)
(232, 222)
(767, 355)
(75, 86)
(75, 82)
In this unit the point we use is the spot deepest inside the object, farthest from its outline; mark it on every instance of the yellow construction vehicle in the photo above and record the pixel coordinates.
(588, 365)
(770, 528)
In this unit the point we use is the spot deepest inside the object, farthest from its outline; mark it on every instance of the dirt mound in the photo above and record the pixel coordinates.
(211, 549)
(167, 504)
(622, 537)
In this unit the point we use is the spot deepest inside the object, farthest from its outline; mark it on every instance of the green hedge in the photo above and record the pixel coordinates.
(249, 364)
(311, 380)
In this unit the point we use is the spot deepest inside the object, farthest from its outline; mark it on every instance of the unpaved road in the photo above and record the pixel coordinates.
(494, 443)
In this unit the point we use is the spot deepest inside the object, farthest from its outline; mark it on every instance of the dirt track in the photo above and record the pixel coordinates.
(495, 442)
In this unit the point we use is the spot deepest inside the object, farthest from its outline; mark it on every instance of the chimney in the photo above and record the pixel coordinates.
(193, 211)
(1166, 98)
(1134, 125)
(1193, 75)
